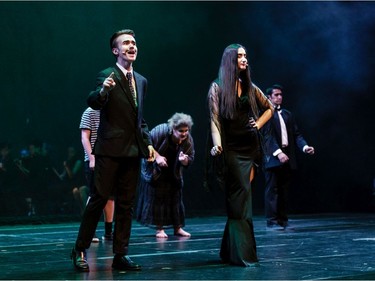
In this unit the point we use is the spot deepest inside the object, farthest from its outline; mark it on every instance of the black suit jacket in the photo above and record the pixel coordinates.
(271, 132)
(122, 130)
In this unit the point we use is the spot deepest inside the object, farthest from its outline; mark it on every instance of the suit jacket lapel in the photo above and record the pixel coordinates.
(139, 89)
(276, 121)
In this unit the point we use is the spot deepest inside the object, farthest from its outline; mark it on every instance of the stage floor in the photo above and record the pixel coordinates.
(321, 246)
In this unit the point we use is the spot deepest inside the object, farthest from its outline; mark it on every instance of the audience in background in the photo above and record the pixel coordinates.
(8, 181)
(35, 168)
(73, 175)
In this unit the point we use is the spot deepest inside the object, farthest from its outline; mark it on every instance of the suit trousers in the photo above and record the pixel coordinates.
(116, 176)
(277, 182)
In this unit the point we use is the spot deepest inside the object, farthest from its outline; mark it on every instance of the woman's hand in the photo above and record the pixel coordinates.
(253, 123)
(183, 158)
(216, 150)
(161, 161)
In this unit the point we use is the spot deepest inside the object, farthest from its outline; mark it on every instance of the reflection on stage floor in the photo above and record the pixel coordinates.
(319, 246)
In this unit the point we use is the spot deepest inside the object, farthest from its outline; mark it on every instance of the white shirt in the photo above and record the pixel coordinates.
(284, 133)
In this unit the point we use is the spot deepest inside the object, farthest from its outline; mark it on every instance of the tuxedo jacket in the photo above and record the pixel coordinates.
(271, 132)
(122, 130)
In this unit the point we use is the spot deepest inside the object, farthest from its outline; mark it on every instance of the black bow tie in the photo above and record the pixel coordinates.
(278, 108)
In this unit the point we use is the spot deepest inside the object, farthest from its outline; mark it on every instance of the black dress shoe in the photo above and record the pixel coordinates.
(124, 263)
(79, 260)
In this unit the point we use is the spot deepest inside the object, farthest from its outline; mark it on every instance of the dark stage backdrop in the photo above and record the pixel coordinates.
(322, 52)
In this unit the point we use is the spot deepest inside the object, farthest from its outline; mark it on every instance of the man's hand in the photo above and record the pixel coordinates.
(283, 157)
(309, 150)
(151, 154)
(108, 84)
(91, 162)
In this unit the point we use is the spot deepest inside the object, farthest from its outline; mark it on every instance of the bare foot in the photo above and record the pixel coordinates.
(181, 232)
(161, 234)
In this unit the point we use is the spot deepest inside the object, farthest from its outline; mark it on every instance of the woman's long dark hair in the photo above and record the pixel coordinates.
(228, 75)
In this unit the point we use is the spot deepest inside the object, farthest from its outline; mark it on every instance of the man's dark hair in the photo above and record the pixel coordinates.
(118, 33)
(274, 86)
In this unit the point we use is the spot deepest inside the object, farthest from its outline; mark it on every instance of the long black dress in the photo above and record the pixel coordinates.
(241, 150)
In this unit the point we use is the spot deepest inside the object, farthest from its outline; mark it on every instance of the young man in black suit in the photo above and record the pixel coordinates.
(281, 140)
(123, 139)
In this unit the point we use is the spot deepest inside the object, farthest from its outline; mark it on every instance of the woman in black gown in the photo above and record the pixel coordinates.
(237, 110)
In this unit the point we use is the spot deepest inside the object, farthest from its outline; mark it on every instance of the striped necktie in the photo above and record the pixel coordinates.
(129, 76)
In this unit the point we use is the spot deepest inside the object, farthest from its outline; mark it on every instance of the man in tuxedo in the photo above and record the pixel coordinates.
(281, 140)
(123, 139)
